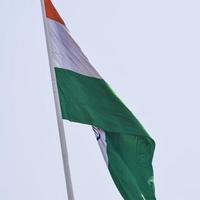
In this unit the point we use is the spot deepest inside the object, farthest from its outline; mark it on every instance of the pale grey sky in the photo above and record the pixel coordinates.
(148, 51)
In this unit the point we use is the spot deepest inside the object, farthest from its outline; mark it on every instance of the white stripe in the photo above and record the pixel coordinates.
(65, 53)
(101, 138)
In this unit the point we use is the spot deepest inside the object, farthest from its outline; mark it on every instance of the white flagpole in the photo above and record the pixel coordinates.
(59, 115)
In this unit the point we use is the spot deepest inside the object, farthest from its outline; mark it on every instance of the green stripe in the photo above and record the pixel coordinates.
(130, 149)
(130, 160)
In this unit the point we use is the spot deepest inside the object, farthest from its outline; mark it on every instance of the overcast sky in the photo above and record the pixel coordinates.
(148, 51)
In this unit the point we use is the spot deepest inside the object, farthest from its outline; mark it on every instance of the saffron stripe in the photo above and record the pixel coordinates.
(51, 12)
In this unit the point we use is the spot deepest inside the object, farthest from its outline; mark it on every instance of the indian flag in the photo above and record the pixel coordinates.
(86, 98)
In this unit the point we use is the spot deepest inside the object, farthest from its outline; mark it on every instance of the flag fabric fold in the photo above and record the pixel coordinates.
(86, 98)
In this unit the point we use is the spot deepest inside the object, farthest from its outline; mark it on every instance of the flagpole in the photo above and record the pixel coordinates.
(59, 115)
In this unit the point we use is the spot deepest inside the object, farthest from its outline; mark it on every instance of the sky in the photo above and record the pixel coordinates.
(148, 51)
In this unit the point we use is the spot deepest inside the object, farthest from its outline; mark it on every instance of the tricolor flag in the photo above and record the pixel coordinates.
(86, 98)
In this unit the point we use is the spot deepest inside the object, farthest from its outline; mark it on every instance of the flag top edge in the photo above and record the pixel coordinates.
(51, 12)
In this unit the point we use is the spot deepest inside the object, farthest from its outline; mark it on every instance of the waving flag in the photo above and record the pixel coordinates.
(86, 98)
